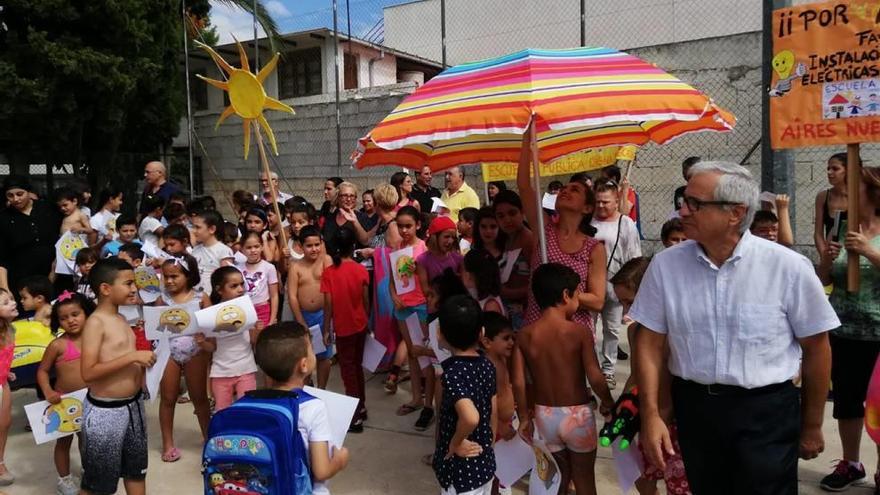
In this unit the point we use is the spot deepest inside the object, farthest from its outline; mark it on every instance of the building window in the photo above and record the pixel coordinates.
(350, 68)
(299, 73)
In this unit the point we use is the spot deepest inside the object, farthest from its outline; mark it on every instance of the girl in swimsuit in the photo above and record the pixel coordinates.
(69, 314)
(180, 276)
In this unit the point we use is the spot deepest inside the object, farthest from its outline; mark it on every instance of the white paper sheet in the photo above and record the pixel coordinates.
(317, 339)
(438, 206)
(340, 409)
(151, 250)
(65, 252)
(441, 353)
(549, 201)
(513, 459)
(155, 372)
(545, 477)
(227, 318)
(374, 351)
(403, 270)
(171, 321)
(628, 464)
(509, 262)
(50, 422)
(131, 313)
(239, 259)
(415, 333)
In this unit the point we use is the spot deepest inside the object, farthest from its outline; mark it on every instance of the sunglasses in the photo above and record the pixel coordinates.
(695, 204)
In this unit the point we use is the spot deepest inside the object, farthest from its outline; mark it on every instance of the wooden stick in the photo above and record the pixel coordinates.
(853, 180)
(265, 161)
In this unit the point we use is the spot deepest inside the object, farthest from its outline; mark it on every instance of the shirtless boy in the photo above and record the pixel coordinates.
(498, 341)
(304, 293)
(114, 432)
(558, 353)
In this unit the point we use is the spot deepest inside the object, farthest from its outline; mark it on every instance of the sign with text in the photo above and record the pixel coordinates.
(567, 165)
(825, 86)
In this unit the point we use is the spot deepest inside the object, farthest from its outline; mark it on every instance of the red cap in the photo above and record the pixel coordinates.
(440, 224)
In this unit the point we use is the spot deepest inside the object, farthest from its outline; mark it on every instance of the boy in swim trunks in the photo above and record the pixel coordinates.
(304, 292)
(558, 353)
(114, 431)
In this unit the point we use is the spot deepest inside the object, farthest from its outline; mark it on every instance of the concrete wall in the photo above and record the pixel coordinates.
(478, 30)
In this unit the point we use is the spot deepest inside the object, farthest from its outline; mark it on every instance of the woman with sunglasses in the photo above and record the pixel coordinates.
(569, 239)
(346, 216)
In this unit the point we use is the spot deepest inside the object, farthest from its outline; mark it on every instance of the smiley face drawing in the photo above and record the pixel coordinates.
(70, 246)
(64, 417)
(544, 468)
(145, 278)
(174, 320)
(229, 319)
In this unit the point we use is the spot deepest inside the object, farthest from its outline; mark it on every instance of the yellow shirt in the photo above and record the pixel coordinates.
(465, 197)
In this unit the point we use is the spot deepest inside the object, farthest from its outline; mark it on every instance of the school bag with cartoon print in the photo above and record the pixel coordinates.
(254, 447)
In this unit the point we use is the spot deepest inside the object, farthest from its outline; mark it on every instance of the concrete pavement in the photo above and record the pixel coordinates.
(385, 459)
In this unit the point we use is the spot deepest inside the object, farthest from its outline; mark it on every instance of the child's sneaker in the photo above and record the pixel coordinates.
(426, 417)
(67, 486)
(844, 474)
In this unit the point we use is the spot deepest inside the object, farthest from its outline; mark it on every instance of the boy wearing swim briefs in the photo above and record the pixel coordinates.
(304, 292)
(114, 431)
(557, 353)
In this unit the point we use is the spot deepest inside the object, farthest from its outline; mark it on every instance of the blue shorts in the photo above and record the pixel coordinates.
(403, 314)
(317, 318)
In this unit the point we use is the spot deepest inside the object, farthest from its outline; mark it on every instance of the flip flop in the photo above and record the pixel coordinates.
(171, 455)
(407, 409)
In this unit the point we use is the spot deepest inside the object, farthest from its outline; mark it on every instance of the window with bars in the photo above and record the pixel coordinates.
(300, 73)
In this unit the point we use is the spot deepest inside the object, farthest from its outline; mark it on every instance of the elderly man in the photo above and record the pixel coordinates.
(458, 195)
(156, 184)
(423, 191)
(737, 313)
(266, 196)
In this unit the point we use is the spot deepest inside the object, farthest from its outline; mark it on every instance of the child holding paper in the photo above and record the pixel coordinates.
(189, 356)
(284, 353)
(464, 461)
(63, 354)
(114, 433)
(233, 369)
(409, 303)
(8, 313)
(345, 285)
(304, 291)
(75, 220)
(261, 278)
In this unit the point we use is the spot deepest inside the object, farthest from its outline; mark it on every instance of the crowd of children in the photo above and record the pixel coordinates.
(508, 374)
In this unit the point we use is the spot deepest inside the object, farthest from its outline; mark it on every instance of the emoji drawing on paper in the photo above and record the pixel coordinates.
(782, 64)
(70, 246)
(545, 468)
(146, 278)
(406, 270)
(64, 417)
(175, 320)
(229, 319)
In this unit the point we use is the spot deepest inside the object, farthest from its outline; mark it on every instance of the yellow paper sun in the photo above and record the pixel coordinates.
(247, 97)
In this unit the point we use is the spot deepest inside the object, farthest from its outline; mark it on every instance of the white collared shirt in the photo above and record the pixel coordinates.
(737, 324)
(282, 197)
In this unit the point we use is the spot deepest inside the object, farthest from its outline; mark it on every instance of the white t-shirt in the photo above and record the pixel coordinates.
(209, 259)
(105, 222)
(233, 357)
(257, 280)
(314, 426)
(147, 230)
(628, 245)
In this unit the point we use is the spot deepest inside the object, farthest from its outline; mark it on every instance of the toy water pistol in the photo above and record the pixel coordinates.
(624, 421)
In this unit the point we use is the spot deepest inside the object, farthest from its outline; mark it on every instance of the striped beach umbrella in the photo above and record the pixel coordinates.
(581, 99)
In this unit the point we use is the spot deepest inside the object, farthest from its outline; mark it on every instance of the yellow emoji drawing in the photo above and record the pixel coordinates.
(229, 319)
(64, 417)
(783, 62)
(70, 246)
(145, 278)
(175, 320)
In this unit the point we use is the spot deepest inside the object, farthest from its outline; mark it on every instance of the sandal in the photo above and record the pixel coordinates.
(183, 398)
(407, 409)
(171, 455)
(391, 384)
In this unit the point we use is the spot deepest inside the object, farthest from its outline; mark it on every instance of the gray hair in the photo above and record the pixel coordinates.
(736, 185)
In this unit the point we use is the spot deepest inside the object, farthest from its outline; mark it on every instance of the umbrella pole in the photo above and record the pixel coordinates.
(853, 178)
(536, 184)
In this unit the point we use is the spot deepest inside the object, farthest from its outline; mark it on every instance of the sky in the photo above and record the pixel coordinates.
(299, 15)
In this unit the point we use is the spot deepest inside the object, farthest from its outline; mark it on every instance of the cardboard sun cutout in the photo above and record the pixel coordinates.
(247, 97)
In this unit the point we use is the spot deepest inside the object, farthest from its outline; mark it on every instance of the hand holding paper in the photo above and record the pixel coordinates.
(227, 318)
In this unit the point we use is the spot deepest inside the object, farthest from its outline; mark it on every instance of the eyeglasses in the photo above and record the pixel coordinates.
(695, 204)
(348, 196)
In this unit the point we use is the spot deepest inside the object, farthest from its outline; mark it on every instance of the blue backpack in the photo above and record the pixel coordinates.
(254, 447)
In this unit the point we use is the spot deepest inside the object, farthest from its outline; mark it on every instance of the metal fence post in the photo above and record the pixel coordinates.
(777, 167)
(336, 81)
(583, 22)
(443, 32)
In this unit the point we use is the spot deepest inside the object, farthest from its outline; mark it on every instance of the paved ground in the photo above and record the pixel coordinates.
(385, 458)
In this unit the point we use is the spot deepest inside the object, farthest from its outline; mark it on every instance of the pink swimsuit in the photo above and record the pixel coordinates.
(6, 355)
(71, 353)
